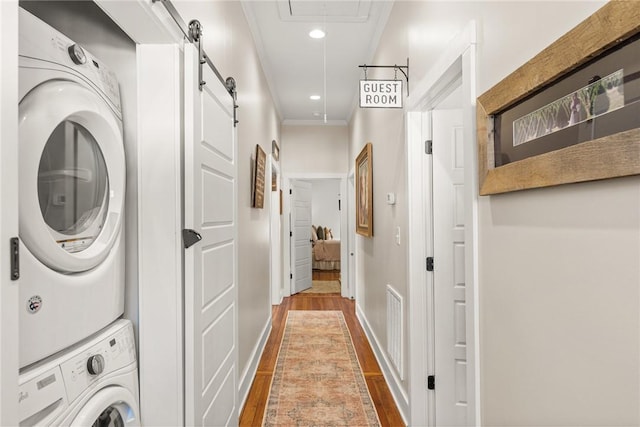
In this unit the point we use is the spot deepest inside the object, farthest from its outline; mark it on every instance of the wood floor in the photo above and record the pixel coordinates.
(325, 275)
(254, 407)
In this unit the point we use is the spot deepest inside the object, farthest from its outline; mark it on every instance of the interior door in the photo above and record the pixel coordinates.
(449, 271)
(211, 301)
(301, 235)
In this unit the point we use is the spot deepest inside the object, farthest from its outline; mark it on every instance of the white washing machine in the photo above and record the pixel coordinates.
(94, 383)
(72, 184)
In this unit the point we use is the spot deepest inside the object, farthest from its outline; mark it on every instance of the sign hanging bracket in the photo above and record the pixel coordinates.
(396, 68)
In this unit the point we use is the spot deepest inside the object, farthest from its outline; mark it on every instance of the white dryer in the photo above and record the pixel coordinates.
(93, 383)
(72, 184)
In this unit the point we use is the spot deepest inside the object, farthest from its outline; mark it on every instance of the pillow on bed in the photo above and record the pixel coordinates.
(328, 235)
(320, 232)
(314, 234)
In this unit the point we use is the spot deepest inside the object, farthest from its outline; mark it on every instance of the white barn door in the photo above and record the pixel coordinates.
(210, 195)
(301, 235)
(449, 270)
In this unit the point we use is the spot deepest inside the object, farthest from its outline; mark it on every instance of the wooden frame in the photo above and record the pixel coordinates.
(364, 191)
(257, 196)
(608, 157)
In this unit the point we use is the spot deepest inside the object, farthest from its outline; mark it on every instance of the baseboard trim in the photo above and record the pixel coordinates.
(252, 367)
(399, 395)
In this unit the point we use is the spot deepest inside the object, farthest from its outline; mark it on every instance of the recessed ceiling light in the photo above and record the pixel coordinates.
(316, 114)
(314, 97)
(317, 34)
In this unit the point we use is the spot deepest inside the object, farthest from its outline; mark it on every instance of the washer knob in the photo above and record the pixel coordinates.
(77, 54)
(95, 364)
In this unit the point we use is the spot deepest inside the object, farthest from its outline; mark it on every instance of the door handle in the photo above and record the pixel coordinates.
(190, 237)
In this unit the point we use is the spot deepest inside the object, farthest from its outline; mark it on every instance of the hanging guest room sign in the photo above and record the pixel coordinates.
(380, 93)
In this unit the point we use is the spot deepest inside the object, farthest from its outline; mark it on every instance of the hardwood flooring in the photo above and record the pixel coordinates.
(325, 275)
(254, 407)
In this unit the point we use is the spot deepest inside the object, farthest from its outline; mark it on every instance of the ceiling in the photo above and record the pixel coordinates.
(294, 63)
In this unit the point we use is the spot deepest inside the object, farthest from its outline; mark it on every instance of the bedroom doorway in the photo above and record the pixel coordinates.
(325, 236)
(329, 266)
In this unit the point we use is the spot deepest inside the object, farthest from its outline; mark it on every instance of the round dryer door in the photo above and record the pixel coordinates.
(112, 406)
(72, 176)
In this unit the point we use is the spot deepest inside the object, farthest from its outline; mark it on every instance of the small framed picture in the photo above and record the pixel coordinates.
(364, 192)
(275, 150)
(259, 178)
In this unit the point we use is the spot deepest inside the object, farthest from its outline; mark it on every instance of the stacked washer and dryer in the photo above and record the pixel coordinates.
(77, 361)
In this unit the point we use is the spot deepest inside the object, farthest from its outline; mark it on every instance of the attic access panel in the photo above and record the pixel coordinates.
(324, 11)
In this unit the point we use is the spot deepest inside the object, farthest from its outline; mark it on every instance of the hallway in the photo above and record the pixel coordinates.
(253, 410)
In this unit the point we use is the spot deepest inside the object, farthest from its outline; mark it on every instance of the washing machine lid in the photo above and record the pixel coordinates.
(112, 406)
(72, 176)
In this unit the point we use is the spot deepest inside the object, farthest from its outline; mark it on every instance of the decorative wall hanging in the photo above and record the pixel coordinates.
(364, 191)
(275, 150)
(571, 114)
(257, 194)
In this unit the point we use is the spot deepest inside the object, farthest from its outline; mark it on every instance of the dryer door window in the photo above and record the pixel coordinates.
(73, 186)
(72, 176)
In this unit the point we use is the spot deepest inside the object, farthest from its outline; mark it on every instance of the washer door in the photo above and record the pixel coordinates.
(72, 176)
(113, 407)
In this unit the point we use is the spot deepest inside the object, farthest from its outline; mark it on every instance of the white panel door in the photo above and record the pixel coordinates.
(210, 193)
(449, 277)
(301, 235)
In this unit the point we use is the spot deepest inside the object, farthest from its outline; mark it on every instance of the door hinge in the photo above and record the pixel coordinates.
(190, 237)
(291, 276)
(15, 258)
(430, 263)
(291, 234)
(290, 191)
(428, 147)
(431, 382)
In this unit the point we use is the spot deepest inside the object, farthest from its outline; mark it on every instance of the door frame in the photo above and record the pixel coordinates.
(9, 304)
(352, 248)
(456, 67)
(276, 277)
(344, 267)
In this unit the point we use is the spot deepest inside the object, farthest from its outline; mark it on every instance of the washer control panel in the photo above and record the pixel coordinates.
(48, 387)
(109, 355)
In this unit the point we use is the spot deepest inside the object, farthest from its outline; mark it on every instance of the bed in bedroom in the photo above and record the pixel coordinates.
(325, 251)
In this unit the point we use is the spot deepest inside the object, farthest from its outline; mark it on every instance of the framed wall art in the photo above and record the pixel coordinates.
(571, 114)
(259, 178)
(275, 150)
(364, 191)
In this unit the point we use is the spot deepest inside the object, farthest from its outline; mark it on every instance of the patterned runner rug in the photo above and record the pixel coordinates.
(318, 380)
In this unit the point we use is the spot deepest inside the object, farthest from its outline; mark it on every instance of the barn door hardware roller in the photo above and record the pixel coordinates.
(395, 67)
(193, 33)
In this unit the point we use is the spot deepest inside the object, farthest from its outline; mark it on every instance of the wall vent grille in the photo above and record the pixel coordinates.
(395, 333)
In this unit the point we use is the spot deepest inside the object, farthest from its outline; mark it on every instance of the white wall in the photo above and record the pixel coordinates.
(559, 267)
(229, 44)
(314, 149)
(325, 194)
